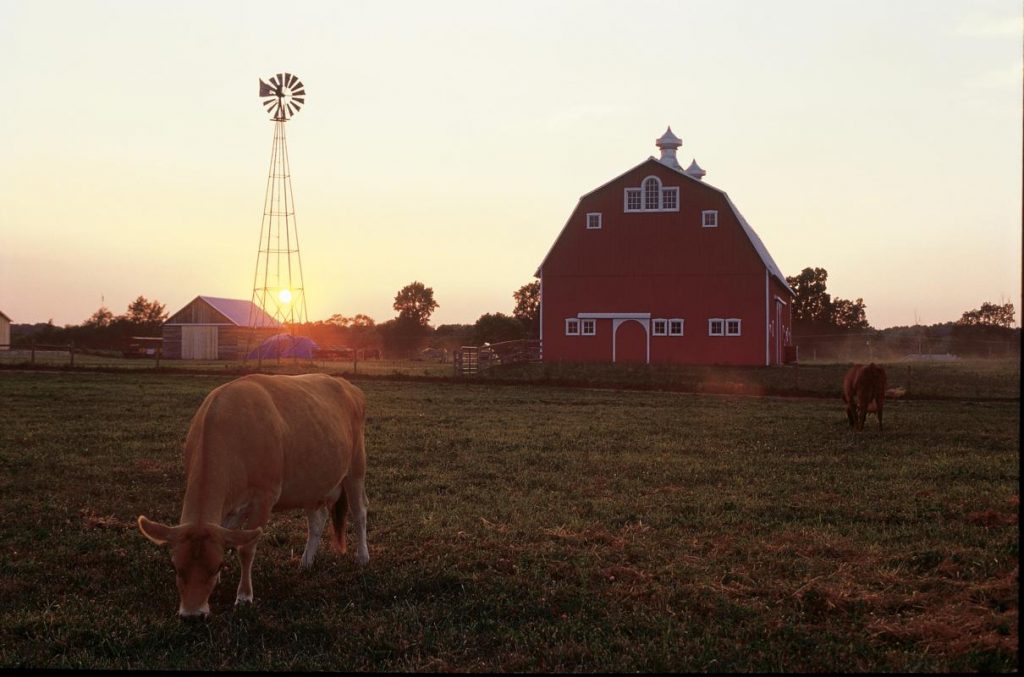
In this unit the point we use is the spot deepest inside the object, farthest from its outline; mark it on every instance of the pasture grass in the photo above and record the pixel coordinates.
(531, 528)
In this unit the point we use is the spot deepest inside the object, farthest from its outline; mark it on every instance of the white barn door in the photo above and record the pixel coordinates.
(198, 343)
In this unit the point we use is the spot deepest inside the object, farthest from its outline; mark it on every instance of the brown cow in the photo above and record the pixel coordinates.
(257, 445)
(864, 391)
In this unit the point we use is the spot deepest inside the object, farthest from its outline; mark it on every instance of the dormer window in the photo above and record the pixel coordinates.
(594, 221)
(709, 218)
(652, 197)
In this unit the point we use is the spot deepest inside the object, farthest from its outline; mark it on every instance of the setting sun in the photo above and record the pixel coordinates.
(285, 296)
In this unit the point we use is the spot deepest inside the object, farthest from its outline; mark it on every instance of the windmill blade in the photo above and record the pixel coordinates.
(289, 80)
(299, 100)
(292, 109)
(265, 89)
(299, 91)
(273, 81)
(280, 79)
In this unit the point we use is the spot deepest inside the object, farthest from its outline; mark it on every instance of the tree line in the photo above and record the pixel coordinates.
(819, 319)
(836, 326)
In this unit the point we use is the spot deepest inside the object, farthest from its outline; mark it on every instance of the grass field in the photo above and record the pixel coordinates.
(532, 528)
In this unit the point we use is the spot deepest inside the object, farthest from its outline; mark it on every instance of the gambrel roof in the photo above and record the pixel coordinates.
(758, 245)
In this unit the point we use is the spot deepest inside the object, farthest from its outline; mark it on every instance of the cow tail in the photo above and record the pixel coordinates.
(339, 521)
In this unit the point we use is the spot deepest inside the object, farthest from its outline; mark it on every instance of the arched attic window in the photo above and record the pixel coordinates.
(652, 193)
(650, 196)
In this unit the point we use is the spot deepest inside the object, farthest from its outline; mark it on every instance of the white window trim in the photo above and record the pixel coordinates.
(568, 322)
(643, 197)
(664, 327)
(598, 226)
(703, 218)
(682, 326)
(712, 320)
(583, 327)
(739, 326)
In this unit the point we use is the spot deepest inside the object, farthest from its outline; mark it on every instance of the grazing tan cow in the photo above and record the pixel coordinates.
(257, 445)
(864, 391)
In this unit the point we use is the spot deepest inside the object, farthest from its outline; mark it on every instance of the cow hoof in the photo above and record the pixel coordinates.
(243, 599)
(304, 565)
(362, 559)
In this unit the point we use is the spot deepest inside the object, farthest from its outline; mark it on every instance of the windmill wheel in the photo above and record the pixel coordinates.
(283, 96)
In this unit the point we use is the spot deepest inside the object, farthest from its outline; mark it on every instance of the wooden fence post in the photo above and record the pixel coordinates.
(71, 351)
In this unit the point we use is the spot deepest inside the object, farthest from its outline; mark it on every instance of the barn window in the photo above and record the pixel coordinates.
(593, 221)
(709, 218)
(572, 327)
(732, 327)
(670, 199)
(651, 197)
(675, 327)
(660, 327)
(652, 193)
(589, 327)
(632, 199)
(716, 327)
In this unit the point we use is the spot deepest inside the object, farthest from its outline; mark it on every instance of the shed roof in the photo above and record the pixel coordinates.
(238, 312)
(241, 312)
(4, 315)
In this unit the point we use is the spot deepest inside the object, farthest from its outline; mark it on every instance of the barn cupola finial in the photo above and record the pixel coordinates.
(668, 143)
(695, 171)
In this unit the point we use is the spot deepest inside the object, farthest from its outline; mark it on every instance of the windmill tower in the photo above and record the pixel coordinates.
(278, 287)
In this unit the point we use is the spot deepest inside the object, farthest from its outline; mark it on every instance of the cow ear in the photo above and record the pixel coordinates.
(239, 538)
(161, 534)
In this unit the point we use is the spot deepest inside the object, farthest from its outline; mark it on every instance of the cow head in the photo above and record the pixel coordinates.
(197, 553)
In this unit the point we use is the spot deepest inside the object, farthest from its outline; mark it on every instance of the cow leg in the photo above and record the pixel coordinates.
(316, 519)
(851, 413)
(355, 493)
(259, 515)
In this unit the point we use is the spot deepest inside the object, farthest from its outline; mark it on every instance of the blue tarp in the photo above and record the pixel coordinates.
(285, 345)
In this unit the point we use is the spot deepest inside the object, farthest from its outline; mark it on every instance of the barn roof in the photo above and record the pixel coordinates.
(240, 311)
(762, 251)
(4, 315)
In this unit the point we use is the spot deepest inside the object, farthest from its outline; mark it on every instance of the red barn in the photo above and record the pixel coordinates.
(657, 266)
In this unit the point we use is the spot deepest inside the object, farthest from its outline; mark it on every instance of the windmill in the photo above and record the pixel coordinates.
(278, 287)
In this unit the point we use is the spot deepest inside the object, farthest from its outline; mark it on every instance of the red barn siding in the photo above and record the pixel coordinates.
(665, 264)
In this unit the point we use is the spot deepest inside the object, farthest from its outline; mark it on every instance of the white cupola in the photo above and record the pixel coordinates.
(695, 171)
(668, 143)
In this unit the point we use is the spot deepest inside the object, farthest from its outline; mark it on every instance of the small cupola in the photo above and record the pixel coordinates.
(695, 171)
(668, 143)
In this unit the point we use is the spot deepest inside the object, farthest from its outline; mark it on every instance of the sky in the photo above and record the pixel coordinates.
(448, 142)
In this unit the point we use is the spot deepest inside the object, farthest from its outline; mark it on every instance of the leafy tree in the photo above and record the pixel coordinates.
(358, 320)
(403, 335)
(101, 318)
(849, 314)
(145, 314)
(497, 327)
(812, 303)
(527, 308)
(814, 308)
(415, 302)
(989, 314)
